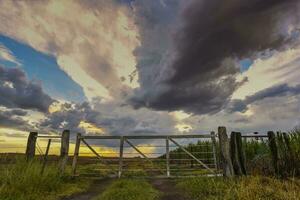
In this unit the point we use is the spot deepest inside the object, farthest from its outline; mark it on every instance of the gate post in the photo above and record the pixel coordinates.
(76, 153)
(168, 157)
(274, 151)
(225, 152)
(240, 151)
(234, 154)
(64, 150)
(121, 156)
(30, 149)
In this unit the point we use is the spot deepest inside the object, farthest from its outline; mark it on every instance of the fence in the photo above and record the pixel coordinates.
(154, 155)
(33, 145)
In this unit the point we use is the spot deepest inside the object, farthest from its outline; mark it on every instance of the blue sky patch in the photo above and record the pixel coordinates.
(245, 64)
(43, 67)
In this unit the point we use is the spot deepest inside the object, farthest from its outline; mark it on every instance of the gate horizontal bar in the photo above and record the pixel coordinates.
(146, 136)
(48, 136)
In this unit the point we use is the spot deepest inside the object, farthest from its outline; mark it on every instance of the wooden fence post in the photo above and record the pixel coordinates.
(30, 149)
(237, 153)
(225, 153)
(274, 151)
(76, 153)
(234, 154)
(240, 151)
(64, 150)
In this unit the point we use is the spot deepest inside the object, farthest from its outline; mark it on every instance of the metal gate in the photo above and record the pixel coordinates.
(145, 155)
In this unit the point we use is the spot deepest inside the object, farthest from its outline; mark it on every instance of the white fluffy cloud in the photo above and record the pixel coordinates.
(281, 67)
(92, 41)
(7, 55)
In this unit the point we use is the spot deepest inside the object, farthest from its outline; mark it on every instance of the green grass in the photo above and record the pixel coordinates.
(245, 188)
(126, 189)
(23, 181)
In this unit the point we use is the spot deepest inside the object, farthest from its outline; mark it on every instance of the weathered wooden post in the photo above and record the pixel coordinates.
(237, 155)
(240, 151)
(64, 150)
(30, 149)
(234, 154)
(274, 151)
(225, 153)
(76, 153)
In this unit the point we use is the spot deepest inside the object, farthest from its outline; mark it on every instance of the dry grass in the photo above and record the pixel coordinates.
(23, 181)
(245, 188)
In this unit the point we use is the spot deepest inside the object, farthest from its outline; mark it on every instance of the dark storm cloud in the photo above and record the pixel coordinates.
(198, 74)
(113, 117)
(70, 116)
(272, 92)
(16, 91)
(11, 119)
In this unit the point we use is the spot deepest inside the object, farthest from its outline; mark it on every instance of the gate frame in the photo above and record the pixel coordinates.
(126, 138)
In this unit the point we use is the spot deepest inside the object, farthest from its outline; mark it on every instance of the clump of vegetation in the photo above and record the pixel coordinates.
(126, 189)
(259, 159)
(23, 181)
(245, 188)
(289, 153)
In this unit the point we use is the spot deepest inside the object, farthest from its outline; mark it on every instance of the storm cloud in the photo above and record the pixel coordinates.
(18, 92)
(13, 119)
(197, 73)
(281, 90)
(113, 117)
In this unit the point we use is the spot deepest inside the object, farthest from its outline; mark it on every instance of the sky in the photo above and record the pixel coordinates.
(128, 67)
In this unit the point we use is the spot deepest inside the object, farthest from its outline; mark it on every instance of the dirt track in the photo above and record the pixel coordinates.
(165, 186)
(96, 188)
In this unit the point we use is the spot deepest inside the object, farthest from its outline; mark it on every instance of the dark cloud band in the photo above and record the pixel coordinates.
(198, 72)
(18, 92)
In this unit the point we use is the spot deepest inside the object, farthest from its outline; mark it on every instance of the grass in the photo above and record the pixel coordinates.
(129, 189)
(245, 188)
(23, 181)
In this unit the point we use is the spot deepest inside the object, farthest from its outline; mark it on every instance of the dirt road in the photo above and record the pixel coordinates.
(97, 187)
(167, 188)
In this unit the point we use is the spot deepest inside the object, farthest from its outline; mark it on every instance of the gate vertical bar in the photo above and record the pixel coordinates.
(168, 156)
(76, 153)
(121, 156)
(214, 148)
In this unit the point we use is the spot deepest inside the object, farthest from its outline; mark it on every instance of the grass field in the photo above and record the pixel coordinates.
(245, 188)
(23, 181)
